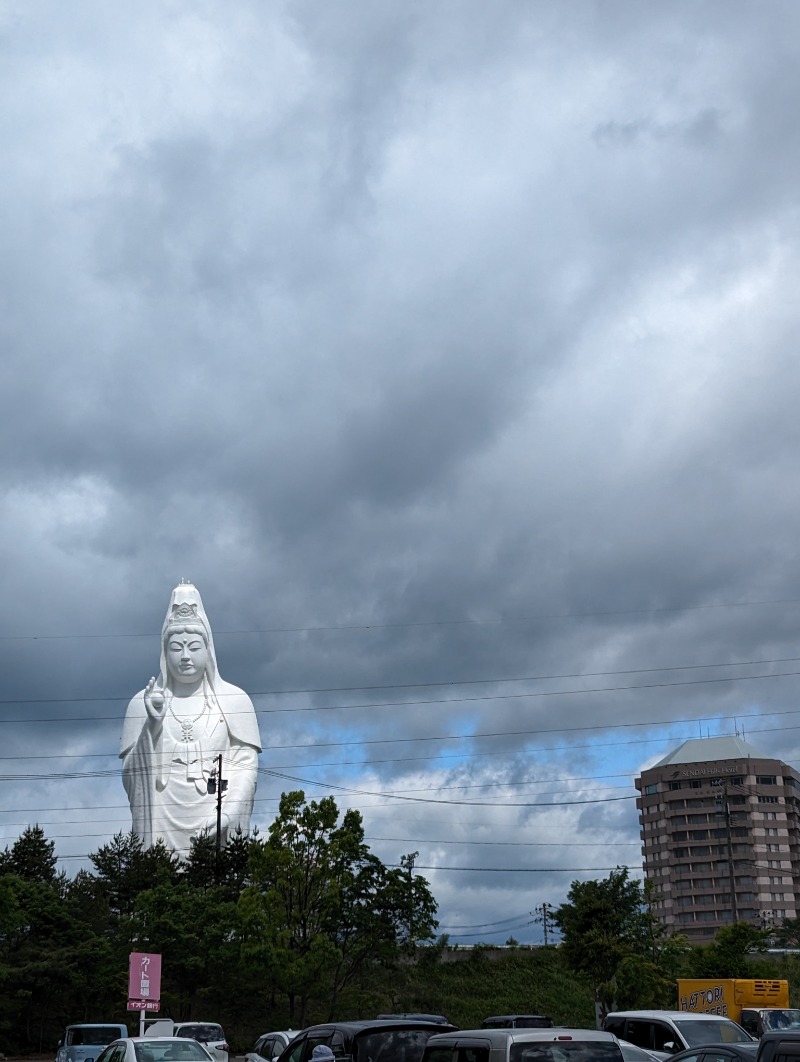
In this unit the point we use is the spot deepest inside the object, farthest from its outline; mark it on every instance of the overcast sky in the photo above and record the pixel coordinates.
(450, 349)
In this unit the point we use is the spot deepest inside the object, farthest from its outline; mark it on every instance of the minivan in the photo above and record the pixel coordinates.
(523, 1045)
(85, 1041)
(664, 1032)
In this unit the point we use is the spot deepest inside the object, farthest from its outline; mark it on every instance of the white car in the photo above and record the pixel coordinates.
(269, 1045)
(154, 1049)
(207, 1033)
(665, 1032)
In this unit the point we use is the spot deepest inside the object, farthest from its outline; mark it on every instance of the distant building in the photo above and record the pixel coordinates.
(720, 829)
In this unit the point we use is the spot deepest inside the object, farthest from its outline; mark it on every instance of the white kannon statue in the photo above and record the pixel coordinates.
(175, 730)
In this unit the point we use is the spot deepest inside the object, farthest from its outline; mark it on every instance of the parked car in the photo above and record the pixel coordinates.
(517, 1021)
(718, 1053)
(779, 1046)
(665, 1032)
(207, 1033)
(84, 1042)
(632, 1053)
(269, 1045)
(154, 1049)
(523, 1045)
(390, 1040)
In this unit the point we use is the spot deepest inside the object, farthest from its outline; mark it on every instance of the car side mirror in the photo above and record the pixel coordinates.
(671, 1046)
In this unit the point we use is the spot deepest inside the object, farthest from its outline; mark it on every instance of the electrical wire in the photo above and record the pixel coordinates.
(440, 700)
(496, 622)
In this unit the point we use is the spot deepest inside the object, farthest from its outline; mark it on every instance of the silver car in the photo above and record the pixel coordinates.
(154, 1049)
(207, 1033)
(269, 1045)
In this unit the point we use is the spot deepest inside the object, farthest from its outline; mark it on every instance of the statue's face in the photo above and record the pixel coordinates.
(187, 656)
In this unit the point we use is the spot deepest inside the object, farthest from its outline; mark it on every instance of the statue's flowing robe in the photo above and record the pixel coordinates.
(166, 777)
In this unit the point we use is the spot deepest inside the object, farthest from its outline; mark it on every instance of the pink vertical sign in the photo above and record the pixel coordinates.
(144, 981)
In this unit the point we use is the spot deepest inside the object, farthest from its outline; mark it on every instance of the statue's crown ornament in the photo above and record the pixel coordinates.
(185, 612)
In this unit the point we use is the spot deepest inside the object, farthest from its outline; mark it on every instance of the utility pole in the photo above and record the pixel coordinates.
(543, 916)
(217, 784)
(724, 805)
(407, 862)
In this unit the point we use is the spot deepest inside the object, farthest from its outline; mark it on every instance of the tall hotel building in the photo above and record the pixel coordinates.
(720, 829)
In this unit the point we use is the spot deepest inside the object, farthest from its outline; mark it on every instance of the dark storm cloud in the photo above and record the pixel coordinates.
(444, 345)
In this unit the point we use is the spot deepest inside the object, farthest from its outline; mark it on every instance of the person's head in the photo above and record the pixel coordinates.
(322, 1053)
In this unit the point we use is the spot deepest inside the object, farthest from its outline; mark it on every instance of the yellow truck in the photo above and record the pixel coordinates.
(758, 1006)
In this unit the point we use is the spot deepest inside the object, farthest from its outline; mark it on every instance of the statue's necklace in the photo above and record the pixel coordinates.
(187, 725)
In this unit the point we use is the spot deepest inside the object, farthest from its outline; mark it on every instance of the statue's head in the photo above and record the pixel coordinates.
(186, 652)
(187, 647)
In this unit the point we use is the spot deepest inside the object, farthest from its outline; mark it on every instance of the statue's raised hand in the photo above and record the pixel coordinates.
(154, 701)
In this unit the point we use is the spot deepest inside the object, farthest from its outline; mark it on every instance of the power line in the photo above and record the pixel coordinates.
(718, 720)
(113, 699)
(272, 800)
(495, 622)
(361, 761)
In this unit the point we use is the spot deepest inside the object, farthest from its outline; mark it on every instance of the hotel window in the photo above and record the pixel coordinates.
(766, 779)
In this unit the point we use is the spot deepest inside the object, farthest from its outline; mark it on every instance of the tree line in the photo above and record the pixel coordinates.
(272, 932)
(612, 937)
(305, 925)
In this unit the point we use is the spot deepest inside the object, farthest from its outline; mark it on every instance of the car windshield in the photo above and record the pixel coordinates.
(204, 1033)
(170, 1051)
(97, 1034)
(711, 1031)
(566, 1051)
(781, 1019)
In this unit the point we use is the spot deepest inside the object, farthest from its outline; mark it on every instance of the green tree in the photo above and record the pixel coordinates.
(730, 953)
(602, 922)
(788, 934)
(32, 856)
(609, 933)
(124, 869)
(322, 909)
